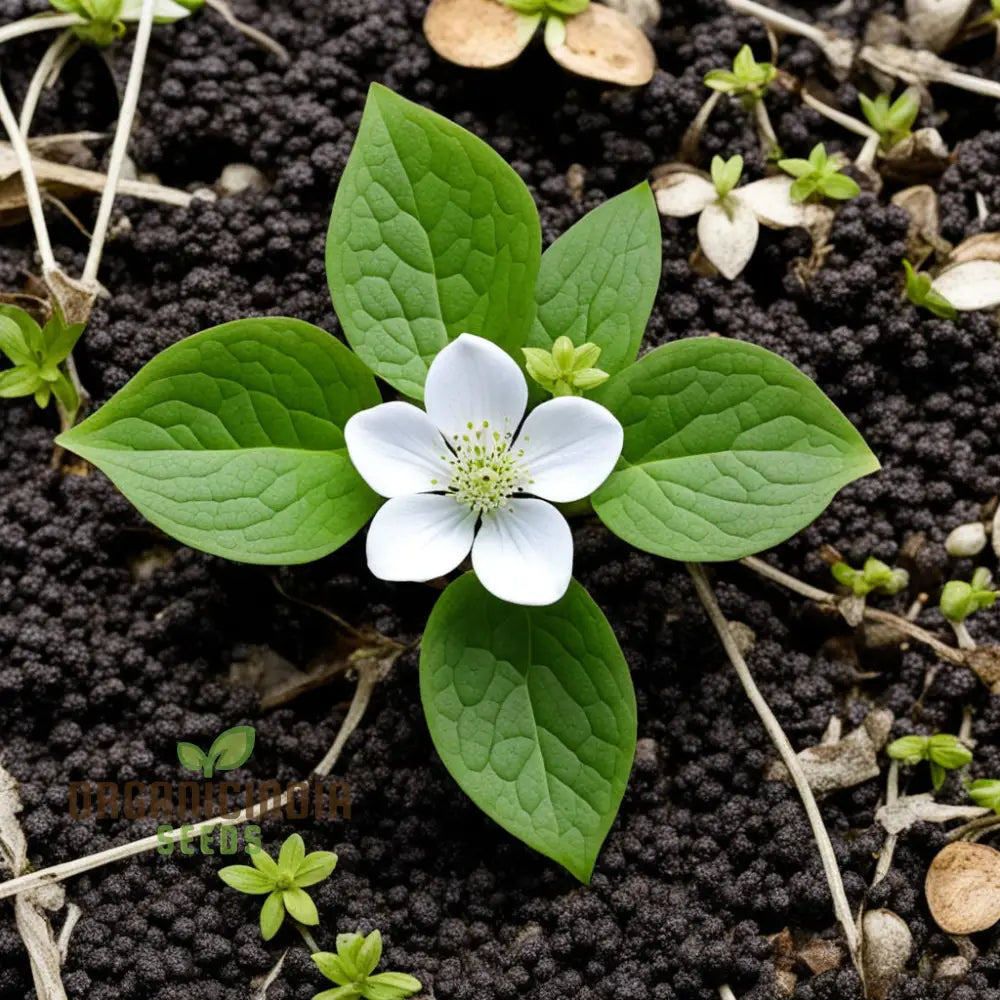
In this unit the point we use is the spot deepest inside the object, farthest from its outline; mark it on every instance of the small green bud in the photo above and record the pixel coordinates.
(589, 378)
(909, 749)
(960, 599)
(920, 293)
(748, 78)
(585, 356)
(565, 370)
(948, 751)
(540, 364)
(876, 575)
(985, 792)
(563, 353)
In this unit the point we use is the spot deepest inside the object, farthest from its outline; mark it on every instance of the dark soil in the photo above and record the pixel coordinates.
(101, 673)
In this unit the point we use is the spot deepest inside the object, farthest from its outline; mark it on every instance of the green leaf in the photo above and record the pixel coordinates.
(391, 986)
(598, 281)
(263, 862)
(291, 855)
(370, 954)
(348, 947)
(243, 878)
(14, 344)
(299, 904)
(532, 711)
(796, 167)
(232, 441)
(231, 749)
(948, 751)
(938, 776)
(272, 915)
(315, 867)
(349, 992)
(729, 449)
(331, 966)
(840, 187)
(432, 235)
(803, 188)
(985, 792)
(20, 381)
(191, 756)
(67, 395)
(60, 338)
(723, 80)
(909, 749)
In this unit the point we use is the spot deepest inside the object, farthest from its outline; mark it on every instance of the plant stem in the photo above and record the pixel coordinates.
(841, 906)
(778, 20)
(889, 847)
(825, 598)
(725, 993)
(841, 118)
(765, 129)
(38, 80)
(308, 938)
(118, 148)
(31, 192)
(962, 636)
(29, 25)
(264, 41)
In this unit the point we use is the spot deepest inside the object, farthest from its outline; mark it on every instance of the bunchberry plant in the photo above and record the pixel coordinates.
(943, 752)
(819, 175)
(747, 80)
(283, 882)
(960, 599)
(353, 967)
(920, 292)
(38, 355)
(107, 20)
(566, 370)
(875, 575)
(985, 792)
(267, 441)
(893, 120)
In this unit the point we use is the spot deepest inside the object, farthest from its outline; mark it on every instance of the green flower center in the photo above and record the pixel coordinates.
(486, 472)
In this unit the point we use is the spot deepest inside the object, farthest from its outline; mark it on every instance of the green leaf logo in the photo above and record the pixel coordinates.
(230, 749)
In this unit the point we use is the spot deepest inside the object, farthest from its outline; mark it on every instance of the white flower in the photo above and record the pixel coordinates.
(462, 476)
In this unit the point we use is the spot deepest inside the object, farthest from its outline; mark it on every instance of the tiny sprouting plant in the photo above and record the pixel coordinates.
(893, 120)
(875, 575)
(960, 599)
(819, 175)
(283, 882)
(230, 750)
(267, 440)
(566, 370)
(747, 80)
(985, 792)
(353, 967)
(38, 355)
(943, 752)
(920, 292)
(106, 20)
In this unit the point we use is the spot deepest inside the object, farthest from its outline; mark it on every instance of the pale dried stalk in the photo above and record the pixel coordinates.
(369, 673)
(264, 41)
(29, 25)
(841, 906)
(841, 118)
(889, 847)
(39, 80)
(123, 132)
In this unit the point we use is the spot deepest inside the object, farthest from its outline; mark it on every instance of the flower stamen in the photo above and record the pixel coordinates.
(486, 471)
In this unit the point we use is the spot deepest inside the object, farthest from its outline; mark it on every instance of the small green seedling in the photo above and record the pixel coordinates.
(726, 174)
(564, 8)
(819, 175)
(284, 883)
(230, 750)
(106, 20)
(922, 295)
(351, 969)
(565, 370)
(985, 792)
(893, 120)
(39, 357)
(875, 575)
(748, 79)
(943, 752)
(960, 599)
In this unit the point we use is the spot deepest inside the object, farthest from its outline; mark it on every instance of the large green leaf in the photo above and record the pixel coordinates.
(432, 235)
(597, 282)
(729, 449)
(533, 713)
(232, 441)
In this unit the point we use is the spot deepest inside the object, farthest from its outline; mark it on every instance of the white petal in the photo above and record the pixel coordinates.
(472, 381)
(397, 450)
(523, 553)
(972, 285)
(682, 193)
(728, 238)
(570, 447)
(771, 201)
(419, 537)
(163, 10)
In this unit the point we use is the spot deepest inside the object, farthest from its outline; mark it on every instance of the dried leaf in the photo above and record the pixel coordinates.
(771, 201)
(602, 44)
(886, 947)
(909, 809)
(920, 155)
(821, 955)
(644, 14)
(924, 234)
(963, 888)
(982, 246)
(974, 284)
(984, 661)
(682, 192)
(481, 34)
(728, 235)
(932, 24)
